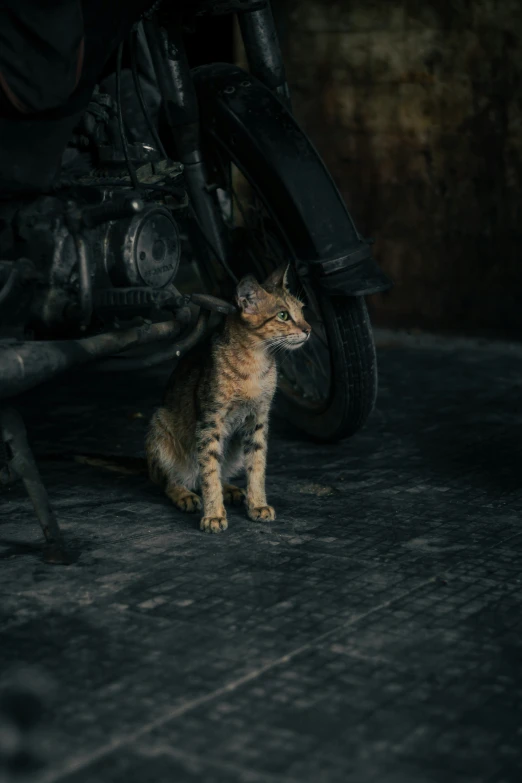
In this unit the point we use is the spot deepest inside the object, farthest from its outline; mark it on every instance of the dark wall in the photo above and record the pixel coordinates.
(416, 107)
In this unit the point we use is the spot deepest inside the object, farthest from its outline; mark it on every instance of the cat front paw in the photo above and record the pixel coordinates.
(213, 524)
(261, 513)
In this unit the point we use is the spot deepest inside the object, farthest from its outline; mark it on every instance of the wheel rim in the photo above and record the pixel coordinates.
(259, 246)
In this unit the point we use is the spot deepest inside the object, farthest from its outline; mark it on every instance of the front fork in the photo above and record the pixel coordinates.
(263, 51)
(182, 115)
(181, 104)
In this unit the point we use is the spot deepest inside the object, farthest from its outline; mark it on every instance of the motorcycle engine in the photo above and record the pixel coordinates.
(131, 239)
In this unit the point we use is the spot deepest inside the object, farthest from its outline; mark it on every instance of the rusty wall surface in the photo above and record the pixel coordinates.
(416, 107)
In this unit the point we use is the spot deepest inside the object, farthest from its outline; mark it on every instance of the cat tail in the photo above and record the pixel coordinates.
(129, 466)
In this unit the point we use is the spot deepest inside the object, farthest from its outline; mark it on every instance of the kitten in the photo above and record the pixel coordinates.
(214, 418)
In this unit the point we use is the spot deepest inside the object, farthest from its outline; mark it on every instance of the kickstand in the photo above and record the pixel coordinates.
(19, 463)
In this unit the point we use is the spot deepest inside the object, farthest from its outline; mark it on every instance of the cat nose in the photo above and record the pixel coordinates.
(307, 330)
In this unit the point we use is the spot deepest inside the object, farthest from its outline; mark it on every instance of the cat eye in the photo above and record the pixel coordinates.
(283, 315)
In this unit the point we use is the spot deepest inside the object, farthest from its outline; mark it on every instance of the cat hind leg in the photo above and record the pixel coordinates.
(232, 495)
(233, 464)
(183, 498)
(167, 464)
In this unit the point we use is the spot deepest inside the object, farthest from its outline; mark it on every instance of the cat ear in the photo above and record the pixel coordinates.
(278, 278)
(249, 294)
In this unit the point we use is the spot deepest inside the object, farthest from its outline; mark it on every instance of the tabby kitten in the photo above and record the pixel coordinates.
(214, 417)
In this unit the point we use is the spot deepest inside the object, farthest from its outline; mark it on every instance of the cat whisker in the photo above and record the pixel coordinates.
(282, 346)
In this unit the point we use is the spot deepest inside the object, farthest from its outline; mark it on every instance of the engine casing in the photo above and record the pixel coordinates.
(144, 250)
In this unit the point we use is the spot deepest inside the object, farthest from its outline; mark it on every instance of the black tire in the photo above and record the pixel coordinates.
(352, 360)
(354, 374)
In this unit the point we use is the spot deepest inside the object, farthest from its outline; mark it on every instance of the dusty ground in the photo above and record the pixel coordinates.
(373, 633)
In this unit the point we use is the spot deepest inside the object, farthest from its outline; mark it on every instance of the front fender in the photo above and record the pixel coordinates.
(245, 118)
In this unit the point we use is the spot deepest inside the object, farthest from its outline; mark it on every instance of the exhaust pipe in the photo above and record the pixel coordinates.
(24, 365)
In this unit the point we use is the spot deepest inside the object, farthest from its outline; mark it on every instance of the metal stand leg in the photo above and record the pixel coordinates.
(20, 464)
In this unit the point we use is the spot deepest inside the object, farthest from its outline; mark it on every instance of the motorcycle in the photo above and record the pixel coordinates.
(175, 183)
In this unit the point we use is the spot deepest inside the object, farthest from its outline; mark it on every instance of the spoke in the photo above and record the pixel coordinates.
(239, 205)
(262, 224)
(228, 178)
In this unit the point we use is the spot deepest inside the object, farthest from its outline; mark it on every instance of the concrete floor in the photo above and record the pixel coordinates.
(373, 633)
